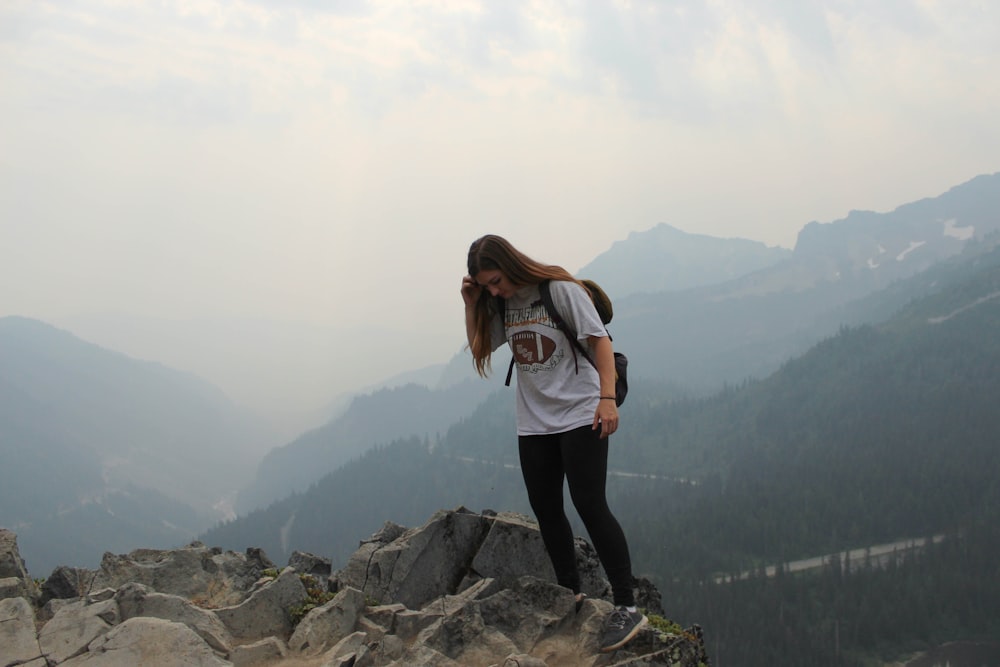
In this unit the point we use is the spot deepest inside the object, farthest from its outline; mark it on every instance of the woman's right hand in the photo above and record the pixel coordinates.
(470, 291)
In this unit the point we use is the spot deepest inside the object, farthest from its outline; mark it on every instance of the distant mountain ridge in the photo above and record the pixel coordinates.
(719, 330)
(92, 437)
(666, 259)
(874, 433)
(710, 335)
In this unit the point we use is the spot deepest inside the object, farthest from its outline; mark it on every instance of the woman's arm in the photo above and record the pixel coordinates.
(470, 295)
(606, 414)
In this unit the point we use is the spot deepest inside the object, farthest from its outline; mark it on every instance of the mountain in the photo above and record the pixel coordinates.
(666, 259)
(846, 394)
(707, 336)
(875, 434)
(93, 441)
(703, 328)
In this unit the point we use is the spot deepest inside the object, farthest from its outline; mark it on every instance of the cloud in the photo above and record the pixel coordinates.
(330, 162)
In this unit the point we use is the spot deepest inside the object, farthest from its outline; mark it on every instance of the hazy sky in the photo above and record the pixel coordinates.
(328, 163)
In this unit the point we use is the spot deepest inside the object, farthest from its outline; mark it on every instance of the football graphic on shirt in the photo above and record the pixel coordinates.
(531, 347)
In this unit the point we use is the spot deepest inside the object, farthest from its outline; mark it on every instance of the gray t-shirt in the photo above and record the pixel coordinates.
(554, 394)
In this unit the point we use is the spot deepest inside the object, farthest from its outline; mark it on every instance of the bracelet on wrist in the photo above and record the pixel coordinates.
(608, 398)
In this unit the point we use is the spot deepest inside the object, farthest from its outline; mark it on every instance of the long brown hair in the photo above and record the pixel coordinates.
(495, 253)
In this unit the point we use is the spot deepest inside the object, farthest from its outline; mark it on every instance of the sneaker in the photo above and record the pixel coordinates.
(620, 627)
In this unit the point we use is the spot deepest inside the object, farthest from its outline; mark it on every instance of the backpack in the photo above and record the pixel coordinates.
(605, 311)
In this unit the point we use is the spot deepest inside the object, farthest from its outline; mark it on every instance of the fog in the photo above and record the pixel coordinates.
(279, 197)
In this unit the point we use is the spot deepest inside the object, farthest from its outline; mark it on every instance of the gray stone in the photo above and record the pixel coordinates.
(328, 624)
(464, 637)
(307, 563)
(264, 652)
(464, 589)
(267, 612)
(17, 632)
(150, 642)
(346, 651)
(12, 587)
(12, 567)
(135, 600)
(419, 565)
(204, 576)
(409, 624)
(529, 611)
(74, 626)
(66, 583)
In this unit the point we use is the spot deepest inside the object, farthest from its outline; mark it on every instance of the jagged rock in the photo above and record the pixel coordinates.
(209, 577)
(348, 651)
(419, 565)
(66, 583)
(453, 550)
(464, 589)
(267, 612)
(15, 582)
(18, 640)
(267, 651)
(135, 600)
(306, 563)
(148, 641)
(74, 626)
(326, 625)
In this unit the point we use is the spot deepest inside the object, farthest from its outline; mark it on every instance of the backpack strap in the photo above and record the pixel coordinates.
(546, 292)
(510, 369)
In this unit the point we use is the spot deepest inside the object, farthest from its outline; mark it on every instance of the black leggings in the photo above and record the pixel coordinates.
(581, 457)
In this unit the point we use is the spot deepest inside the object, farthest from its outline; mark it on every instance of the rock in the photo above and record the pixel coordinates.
(206, 576)
(306, 563)
(267, 651)
(267, 612)
(347, 651)
(148, 642)
(419, 565)
(326, 625)
(15, 582)
(452, 551)
(66, 583)
(17, 632)
(135, 600)
(74, 626)
(464, 589)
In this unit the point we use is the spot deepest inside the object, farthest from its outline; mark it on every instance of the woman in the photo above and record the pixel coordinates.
(565, 409)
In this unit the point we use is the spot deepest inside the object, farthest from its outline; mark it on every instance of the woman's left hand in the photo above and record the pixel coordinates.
(606, 417)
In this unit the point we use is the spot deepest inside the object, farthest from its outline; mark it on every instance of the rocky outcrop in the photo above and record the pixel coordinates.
(463, 589)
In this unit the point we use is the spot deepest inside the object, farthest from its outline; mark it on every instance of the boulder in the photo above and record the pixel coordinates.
(209, 577)
(18, 640)
(15, 582)
(268, 651)
(135, 600)
(454, 550)
(307, 563)
(66, 583)
(148, 641)
(267, 612)
(74, 626)
(326, 625)
(418, 565)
